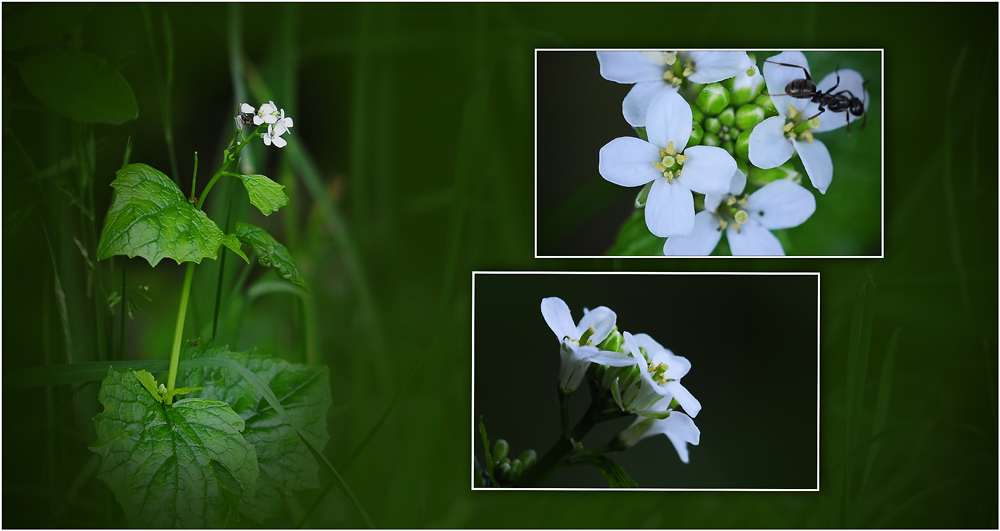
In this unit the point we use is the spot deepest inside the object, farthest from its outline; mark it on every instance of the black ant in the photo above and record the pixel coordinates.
(806, 89)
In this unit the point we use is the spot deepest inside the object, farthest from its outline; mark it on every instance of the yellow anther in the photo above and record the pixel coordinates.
(670, 176)
(808, 136)
(793, 113)
(663, 153)
(730, 200)
(723, 224)
(677, 81)
(788, 127)
(681, 159)
(688, 71)
(670, 148)
(678, 174)
(659, 166)
(668, 75)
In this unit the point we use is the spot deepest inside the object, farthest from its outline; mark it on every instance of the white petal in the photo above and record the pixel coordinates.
(287, 122)
(246, 108)
(816, 159)
(680, 429)
(684, 398)
(270, 118)
(708, 169)
(601, 319)
(700, 242)
(669, 119)
(781, 204)
(710, 67)
(628, 161)
(557, 315)
(712, 201)
(646, 342)
(850, 81)
(631, 346)
(637, 100)
(572, 368)
(280, 142)
(669, 209)
(628, 67)
(267, 139)
(257, 120)
(753, 240)
(612, 359)
(768, 146)
(778, 77)
(738, 183)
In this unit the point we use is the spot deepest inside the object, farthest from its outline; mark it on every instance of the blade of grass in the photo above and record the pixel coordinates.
(881, 405)
(359, 122)
(857, 365)
(954, 240)
(163, 86)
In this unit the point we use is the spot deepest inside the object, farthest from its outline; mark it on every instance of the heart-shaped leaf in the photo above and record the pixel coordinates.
(265, 194)
(81, 86)
(151, 218)
(170, 466)
(270, 253)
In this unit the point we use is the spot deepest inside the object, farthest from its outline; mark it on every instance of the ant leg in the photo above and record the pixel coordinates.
(821, 111)
(837, 84)
(864, 104)
(791, 65)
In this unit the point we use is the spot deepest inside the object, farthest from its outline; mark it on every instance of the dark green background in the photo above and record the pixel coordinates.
(418, 119)
(751, 341)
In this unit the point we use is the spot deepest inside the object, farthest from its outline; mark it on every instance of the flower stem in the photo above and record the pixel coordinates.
(564, 410)
(175, 352)
(227, 158)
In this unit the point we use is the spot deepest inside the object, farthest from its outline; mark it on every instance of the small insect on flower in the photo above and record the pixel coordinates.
(843, 101)
(245, 116)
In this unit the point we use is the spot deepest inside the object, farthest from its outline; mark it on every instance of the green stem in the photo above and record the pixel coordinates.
(175, 352)
(564, 409)
(222, 272)
(123, 309)
(228, 157)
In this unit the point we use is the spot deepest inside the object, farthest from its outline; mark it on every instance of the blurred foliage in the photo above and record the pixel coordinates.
(411, 167)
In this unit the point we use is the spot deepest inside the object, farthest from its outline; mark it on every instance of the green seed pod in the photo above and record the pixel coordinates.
(696, 134)
(746, 87)
(727, 117)
(500, 449)
(765, 101)
(748, 116)
(528, 457)
(728, 146)
(696, 114)
(710, 140)
(713, 99)
(712, 125)
(743, 145)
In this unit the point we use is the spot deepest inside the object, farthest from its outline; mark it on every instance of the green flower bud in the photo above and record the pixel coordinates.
(500, 449)
(696, 134)
(748, 116)
(713, 99)
(640, 200)
(740, 163)
(727, 117)
(765, 101)
(516, 467)
(696, 114)
(501, 471)
(728, 83)
(613, 342)
(728, 146)
(710, 139)
(743, 145)
(746, 87)
(786, 171)
(712, 125)
(528, 457)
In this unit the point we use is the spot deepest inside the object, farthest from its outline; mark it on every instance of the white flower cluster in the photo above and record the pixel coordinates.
(643, 376)
(732, 123)
(268, 113)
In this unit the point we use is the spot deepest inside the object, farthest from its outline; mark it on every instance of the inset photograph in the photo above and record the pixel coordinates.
(653, 381)
(708, 153)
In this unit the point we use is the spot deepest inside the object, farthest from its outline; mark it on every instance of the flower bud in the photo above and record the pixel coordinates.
(746, 86)
(765, 101)
(696, 114)
(528, 458)
(710, 140)
(696, 134)
(743, 145)
(748, 116)
(516, 467)
(727, 117)
(635, 432)
(613, 342)
(501, 471)
(640, 200)
(713, 99)
(740, 163)
(786, 171)
(712, 125)
(728, 146)
(500, 449)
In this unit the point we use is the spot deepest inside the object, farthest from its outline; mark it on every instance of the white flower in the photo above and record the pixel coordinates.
(273, 136)
(673, 170)
(678, 427)
(246, 108)
(575, 357)
(653, 73)
(780, 204)
(283, 124)
(773, 142)
(661, 372)
(267, 114)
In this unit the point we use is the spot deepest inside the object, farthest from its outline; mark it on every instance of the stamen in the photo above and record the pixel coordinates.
(681, 159)
(659, 166)
(670, 148)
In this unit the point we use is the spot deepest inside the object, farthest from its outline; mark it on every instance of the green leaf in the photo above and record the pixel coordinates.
(233, 243)
(270, 253)
(171, 465)
(486, 446)
(33, 24)
(151, 218)
(81, 86)
(615, 475)
(634, 239)
(265, 194)
(286, 463)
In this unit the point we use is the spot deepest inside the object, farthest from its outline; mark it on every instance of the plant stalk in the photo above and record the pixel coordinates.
(175, 352)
